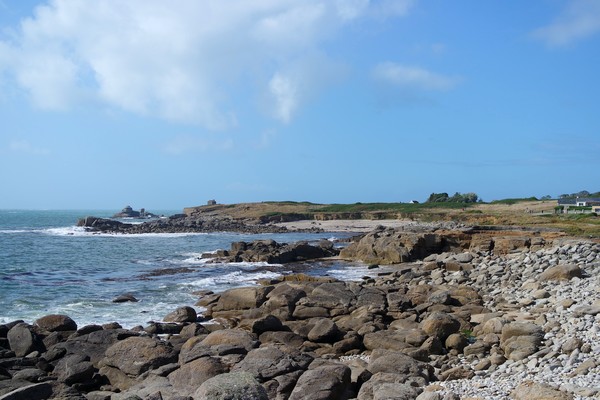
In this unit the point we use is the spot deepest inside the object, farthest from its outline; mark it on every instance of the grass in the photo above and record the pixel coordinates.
(397, 207)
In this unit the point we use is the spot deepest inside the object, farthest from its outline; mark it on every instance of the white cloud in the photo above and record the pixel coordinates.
(23, 146)
(191, 144)
(179, 61)
(413, 78)
(579, 20)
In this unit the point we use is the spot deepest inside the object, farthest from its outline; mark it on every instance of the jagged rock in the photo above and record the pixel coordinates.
(231, 386)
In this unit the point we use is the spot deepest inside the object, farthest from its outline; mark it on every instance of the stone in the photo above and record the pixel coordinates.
(192, 375)
(400, 363)
(323, 383)
(269, 362)
(182, 314)
(538, 391)
(232, 337)
(441, 325)
(56, 322)
(231, 386)
(563, 272)
(325, 330)
(29, 392)
(74, 368)
(125, 297)
(22, 340)
(136, 355)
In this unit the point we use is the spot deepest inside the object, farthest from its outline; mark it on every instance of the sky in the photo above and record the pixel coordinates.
(165, 105)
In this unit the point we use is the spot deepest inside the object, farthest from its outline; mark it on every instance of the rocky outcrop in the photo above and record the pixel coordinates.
(418, 331)
(271, 252)
(179, 223)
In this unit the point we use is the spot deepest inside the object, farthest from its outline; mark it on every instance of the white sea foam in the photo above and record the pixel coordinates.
(237, 278)
(81, 231)
(12, 231)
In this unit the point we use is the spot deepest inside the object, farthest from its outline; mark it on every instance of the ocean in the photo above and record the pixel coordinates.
(48, 265)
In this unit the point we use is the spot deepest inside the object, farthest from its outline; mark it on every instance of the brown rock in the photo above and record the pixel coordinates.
(56, 322)
(136, 355)
(561, 273)
(440, 325)
(538, 391)
(182, 314)
(323, 383)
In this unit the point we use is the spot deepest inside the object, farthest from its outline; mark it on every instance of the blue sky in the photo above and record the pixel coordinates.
(168, 104)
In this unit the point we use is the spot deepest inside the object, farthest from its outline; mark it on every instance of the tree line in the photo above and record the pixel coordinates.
(456, 198)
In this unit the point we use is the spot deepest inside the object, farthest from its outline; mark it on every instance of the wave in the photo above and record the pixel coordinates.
(233, 279)
(13, 231)
(81, 231)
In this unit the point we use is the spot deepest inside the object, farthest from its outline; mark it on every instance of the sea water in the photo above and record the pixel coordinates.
(50, 266)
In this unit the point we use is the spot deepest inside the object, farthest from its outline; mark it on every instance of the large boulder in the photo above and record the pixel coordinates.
(323, 383)
(401, 364)
(136, 355)
(269, 362)
(190, 376)
(23, 340)
(231, 386)
(563, 272)
(237, 338)
(392, 246)
(440, 325)
(56, 323)
(242, 298)
(538, 391)
(182, 314)
(520, 339)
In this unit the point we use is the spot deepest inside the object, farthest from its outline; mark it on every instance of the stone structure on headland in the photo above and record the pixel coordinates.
(505, 314)
(128, 212)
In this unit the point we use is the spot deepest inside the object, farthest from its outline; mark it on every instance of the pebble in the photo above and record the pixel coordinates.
(568, 311)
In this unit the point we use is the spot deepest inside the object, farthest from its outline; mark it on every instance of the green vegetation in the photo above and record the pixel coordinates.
(388, 207)
(456, 198)
(583, 193)
(514, 201)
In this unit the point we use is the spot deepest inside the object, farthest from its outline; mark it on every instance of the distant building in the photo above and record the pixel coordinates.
(211, 203)
(592, 202)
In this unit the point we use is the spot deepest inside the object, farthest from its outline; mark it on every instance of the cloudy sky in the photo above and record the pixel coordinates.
(168, 104)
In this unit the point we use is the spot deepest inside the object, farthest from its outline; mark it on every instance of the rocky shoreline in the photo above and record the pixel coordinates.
(181, 223)
(458, 314)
